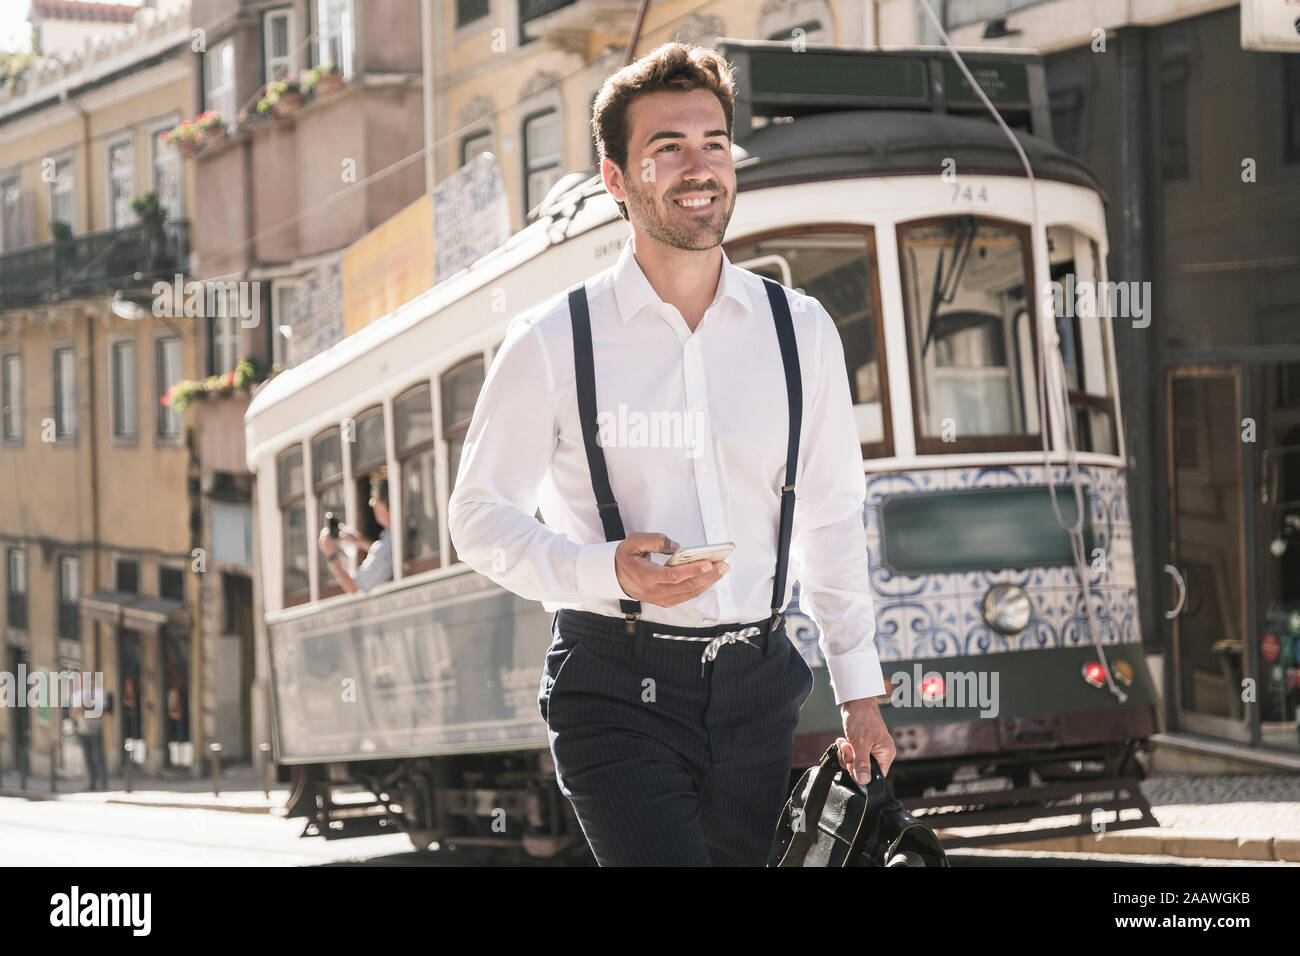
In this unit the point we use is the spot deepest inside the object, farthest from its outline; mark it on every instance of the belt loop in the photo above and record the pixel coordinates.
(636, 628)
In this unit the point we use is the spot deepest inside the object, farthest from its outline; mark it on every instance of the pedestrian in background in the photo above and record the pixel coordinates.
(87, 715)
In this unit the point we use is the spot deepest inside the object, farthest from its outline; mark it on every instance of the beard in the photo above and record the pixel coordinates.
(677, 227)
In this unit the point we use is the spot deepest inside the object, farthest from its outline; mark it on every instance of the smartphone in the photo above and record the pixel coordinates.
(334, 523)
(701, 552)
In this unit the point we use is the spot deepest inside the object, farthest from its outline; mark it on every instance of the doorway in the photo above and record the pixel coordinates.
(1207, 503)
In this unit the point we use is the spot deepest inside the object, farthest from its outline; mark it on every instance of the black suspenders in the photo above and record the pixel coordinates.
(584, 368)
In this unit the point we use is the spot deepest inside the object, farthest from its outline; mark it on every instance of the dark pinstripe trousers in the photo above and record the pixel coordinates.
(669, 761)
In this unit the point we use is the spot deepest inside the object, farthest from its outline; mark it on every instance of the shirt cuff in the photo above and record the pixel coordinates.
(596, 575)
(856, 675)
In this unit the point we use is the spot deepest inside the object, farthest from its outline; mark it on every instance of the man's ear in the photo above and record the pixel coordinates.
(612, 176)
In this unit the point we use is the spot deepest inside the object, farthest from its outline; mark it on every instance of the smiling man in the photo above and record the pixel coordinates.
(672, 693)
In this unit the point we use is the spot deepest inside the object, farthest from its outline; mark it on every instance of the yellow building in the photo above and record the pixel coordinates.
(95, 512)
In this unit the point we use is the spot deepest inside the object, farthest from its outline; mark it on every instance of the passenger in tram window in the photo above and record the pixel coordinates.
(378, 565)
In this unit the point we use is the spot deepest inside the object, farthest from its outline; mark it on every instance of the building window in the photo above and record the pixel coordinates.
(460, 389)
(1174, 144)
(417, 470)
(123, 385)
(121, 183)
(282, 293)
(167, 360)
(126, 574)
(530, 10)
(223, 330)
(69, 596)
(65, 394)
(62, 206)
(165, 170)
(327, 480)
(475, 143)
(171, 584)
(17, 586)
(970, 334)
(293, 526)
(278, 48)
(219, 65)
(13, 397)
(11, 213)
(543, 155)
(335, 34)
(467, 11)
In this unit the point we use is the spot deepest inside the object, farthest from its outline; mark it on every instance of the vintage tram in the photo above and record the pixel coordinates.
(875, 182)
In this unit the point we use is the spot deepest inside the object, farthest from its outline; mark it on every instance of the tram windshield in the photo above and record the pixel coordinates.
(969, 333)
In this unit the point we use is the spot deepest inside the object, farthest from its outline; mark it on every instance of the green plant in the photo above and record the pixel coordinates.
(309, 78)
(274, 91)
(60, 230)
(13, 66)
(183, 132)
(210, 120)
(149, 209)
(181, 395)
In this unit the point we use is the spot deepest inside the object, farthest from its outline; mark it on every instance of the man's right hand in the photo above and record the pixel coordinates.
(644, 580)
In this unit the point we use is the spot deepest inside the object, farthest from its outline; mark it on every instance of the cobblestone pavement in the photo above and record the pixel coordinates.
(1254, 804)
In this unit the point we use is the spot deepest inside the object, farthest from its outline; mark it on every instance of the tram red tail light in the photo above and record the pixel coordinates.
(932, 687)
(1094, 673)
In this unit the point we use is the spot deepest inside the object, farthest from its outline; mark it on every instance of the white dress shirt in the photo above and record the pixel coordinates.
(693, 428)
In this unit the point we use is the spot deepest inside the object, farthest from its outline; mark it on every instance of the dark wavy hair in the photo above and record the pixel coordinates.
(673, 66)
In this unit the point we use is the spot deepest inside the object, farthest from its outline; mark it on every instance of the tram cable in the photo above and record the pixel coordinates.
(1049, 335)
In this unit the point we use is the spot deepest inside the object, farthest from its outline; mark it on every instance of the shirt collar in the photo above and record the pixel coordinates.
(633, 291)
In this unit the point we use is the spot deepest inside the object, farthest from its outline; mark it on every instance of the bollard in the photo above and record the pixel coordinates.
(128, 746)
(54, 768)
(215, 751)
(264, 758)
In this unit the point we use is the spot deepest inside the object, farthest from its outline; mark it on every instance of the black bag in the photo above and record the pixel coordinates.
(832, 820)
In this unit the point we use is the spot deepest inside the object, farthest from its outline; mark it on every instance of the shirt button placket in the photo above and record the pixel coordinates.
(706, 482)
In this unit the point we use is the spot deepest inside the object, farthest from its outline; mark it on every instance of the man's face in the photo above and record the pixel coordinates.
(678, 151)
(380, 509)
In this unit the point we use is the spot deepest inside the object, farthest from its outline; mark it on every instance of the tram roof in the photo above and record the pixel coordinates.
(856, 143)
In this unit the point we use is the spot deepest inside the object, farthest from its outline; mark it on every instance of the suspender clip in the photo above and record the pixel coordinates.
(612, 504)
(785, 488)
(631, 623)
(777, 617)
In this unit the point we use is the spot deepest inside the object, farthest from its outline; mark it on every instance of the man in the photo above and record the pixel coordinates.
(670, 756)
(87, 712)
(378, 565)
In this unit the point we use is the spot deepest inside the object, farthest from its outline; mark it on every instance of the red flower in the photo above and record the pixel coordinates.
(230, 378)
(165, 400)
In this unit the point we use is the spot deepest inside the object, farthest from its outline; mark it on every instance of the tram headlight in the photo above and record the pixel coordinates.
(1006, 608)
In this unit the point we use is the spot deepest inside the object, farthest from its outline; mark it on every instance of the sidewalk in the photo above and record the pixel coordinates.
(240, 791)
(1251, 816)
(1247, 816)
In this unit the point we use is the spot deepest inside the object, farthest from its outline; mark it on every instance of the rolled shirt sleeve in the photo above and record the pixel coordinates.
(507, 450)
(829, 540)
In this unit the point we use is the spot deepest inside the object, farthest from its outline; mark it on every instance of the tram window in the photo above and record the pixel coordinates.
(293, 526)
(369, 456)
(327, 480)
(460, 389)
(970, 338)
(837, 267)
(1075, 268)
(415, 454)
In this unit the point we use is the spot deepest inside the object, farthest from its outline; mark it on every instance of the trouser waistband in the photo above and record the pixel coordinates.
(689, 639)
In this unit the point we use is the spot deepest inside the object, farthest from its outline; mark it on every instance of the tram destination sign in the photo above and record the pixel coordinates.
(772, 79)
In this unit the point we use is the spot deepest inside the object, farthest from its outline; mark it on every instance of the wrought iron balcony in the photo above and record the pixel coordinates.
(98, 262)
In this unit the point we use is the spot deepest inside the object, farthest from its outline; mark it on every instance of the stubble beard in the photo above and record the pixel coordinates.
(663, 227)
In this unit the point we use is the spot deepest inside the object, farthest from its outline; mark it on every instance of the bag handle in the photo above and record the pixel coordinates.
(876, 792)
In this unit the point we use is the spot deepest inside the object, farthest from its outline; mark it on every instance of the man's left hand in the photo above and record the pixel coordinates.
(867, 736)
